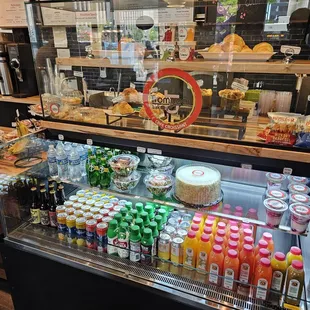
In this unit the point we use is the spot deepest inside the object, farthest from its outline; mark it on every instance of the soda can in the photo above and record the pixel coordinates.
(117, 208)
(176, 215)
(104, 212)
(107, 219)
(85, 208)
(80, 231)
(71, 229)
(90, 202)
(112, 213)
(176, 256)
(173, 222)
(88, 215)
(164, 246)
(60, 209)
(82, 200)
(170, 230)
(62, 226)
(122, 202)
(90, 233)
(108, 206)
(68, 204)
(94, 210)
(182, 233)
(88, 195)
(99, 204)
(70, 211)
(97, 197)
(80, 193)
(98, 218)
(114, 201)
(101, 236)
(187, 217)
(185, 225)
(74, 198)
(78, 213)
(77, 206)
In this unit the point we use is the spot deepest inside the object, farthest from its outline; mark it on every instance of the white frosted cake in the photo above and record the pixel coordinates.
(197, 185)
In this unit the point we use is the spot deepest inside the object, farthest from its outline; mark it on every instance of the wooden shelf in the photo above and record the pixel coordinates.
(28, 100)
(278, 67)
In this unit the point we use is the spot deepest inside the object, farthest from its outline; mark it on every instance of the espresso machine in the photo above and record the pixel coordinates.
(6, 86)
(24, 76)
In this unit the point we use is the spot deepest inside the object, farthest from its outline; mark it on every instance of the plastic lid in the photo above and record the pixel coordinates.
(144, 215)
(247, 248)
(245, 225)
(211, 217)
(247, 232)
(118, 217)
(297, 264)
(124, 211)
(227, 206)
(252, 211)
(248, 240)
(195, 227)
(262, 244)
(221, 225)
(234, 237)
(208, 223)
(300, 209)
(217, 249)
(295, 250)
(232, 254)
(294, 179)
(267, 236)
(205, 237)
(134, 213)
(221, 233)
(275, 177)
(135, 230)
(234, 229)
(233, 223)
(139, 221)
(275, 193)
(279, 256)
(124, 160)
(232, 244)
(207, 230)
(238, 209)
(160, 180)
(128, 218)
(153, 226)
(275, 205)
(148, 209)
(191, 234)
(113, 224)
(139, 206)
(264, 253)
(197, 220)
(265, 262)
(300, 198)
(218, 240)
(147, 233)
(299, 188)
(198, 214)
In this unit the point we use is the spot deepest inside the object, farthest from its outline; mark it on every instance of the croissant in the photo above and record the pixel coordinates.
(234, 39)
(122, 108)
(263, 47)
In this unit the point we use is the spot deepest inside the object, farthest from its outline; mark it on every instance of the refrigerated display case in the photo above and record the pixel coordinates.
(109, 76)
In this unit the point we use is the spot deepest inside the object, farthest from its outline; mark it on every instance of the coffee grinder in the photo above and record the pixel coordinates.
(24, 76)
(6, 86)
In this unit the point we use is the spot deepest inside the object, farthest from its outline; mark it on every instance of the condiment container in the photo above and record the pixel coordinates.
(274, 180)
(186, 50)
(167, 32)
(301, 198)
(297, 180)
(275, 209)
(298, 189)
(278, 194)
(300, 216)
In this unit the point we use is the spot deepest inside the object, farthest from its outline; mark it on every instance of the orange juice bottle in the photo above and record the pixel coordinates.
(190, 250)
(203, 253)
(232, 230)
(198, 221)
(221, 225)
(234, 237)
(263, 253)
(248, 240)
(208, 231)
(268, 237)
(230, 224)
(215, 265)
(221, 233)
(262, 244)
(219, 241)
(232, 245)
(279, 267)
(231, 270)
(196, 228)
(209, 223)
(246, 264)
(242, 228)
(262, 279)
(293, 254)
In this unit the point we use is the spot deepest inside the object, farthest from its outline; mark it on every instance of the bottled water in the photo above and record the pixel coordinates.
(74, 165)
(51, 160)
(83, 158)
(62, 162)
(68, 148)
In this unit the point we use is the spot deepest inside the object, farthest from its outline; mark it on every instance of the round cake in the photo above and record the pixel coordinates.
(197, 184)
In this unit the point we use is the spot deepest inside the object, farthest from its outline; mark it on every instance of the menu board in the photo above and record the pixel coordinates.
(12, 13)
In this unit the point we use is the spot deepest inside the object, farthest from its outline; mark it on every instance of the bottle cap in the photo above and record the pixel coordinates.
(297, 264)
(232, 244)
(218, 240)
(153, 226)
(264, 253)
(191, 234)
(247, 232)
(247, 248)
(208, 223)
(113, 224)
(267, 236)
(232, 254)
(205, 238)
(135, 230)
(234, 229)
(217, 249)
(238, 214)
(211, 217)
(295, 250)
(252, 212)
(139, 206)
(128, 218)
(221, 225)
(234, 237)
(233, 223)
(238, 209)
(195, 227)
(148, 209)
(134, 213)
(221, 233)
(198, 214)
(207, 230)
(159, 221)
(227, 206)
(265, 262)
(248, 240)
(245, 225)
(262, 244)
(147, 233)
(118, 217)
(279, 256)
(196, 220)
(139, 221)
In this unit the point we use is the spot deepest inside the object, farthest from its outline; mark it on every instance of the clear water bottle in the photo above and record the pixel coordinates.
(68, 148)
(62, 162)
(83, 157)
(52, 162)
(74, 165)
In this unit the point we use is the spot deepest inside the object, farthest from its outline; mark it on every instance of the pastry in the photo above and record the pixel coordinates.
(246, 49)
(232, 94)
(130, 95)
(263, 47)
(206, 92)
(229, 47)
(234, 39)
(143, 114)
(122, 108)
(215, 48)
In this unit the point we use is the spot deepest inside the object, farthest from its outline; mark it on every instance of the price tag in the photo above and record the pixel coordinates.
(154, 151)
(287, 171)
(13, 124)
(61, 137)
(141, 149)
(17, 112)
(295, 50)
(132, 85)
(118, 99)
(246, 166)
(103, 73)
(89, 141)
(241, 87)
(78, 73)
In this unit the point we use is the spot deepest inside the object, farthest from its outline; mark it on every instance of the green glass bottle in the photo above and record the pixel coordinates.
(146, 247)
(112, 237)
(145, 217)
(105, 175)
(135, 244)
(94, 174)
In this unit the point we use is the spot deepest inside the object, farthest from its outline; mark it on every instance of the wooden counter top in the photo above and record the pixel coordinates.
(28, 100)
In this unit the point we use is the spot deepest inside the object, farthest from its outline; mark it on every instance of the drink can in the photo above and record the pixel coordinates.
(80, 193)
(62, 226)
(164, 246)
(71, 229)
(185, 225)
(70, 211)
(108, 206)
(68, 204)
(170, 230)
(78, 213)
(88, 215)
(94, 210)
(90, 233)
(98, 218)
(176, 215)
(77, 206)
(88, 195)
(60, 209)
(187, 217)
(85, 208)
(74, 198)
(107, 219)
(80, 231)
(114, 201)
(176, 256)
(117, 208)
(97, 197)
(82, 200)
(99, 204)
(90, 202)
(104, 212)
(102, 238)
(173, 222)
(122, 202)
(182, 233)
(112, 213)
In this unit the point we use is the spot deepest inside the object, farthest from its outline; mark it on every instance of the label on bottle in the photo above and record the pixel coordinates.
(146, 254)
(213, 275)
(44, 217)
(53, 218)
(62, 162)
(135, 255)
(261, 290)
(202, 260)
(35, 216)
(244, 273)
(51, 160)
(74, 162)
(182, 33)
(229, 278)
(293, 288)
(163, 247)
(111, 249)
(154, 247)
(123, 246)
(189, 257)
(277, 278)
